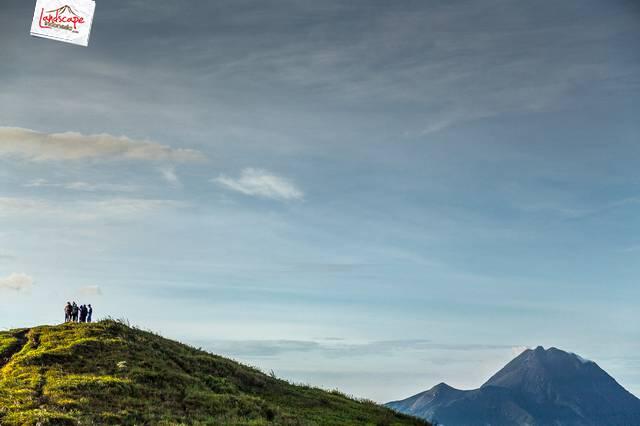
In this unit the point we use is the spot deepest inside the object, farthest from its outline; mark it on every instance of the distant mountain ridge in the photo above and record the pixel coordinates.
(538, 388)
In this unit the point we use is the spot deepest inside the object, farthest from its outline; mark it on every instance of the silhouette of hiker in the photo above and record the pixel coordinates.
(89, 312)
(74, 312)
(83, 313)
(67, 312)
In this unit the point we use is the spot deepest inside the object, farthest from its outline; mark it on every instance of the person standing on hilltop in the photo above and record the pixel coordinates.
(67, 312)
(74, 312)
(83, 313)
(89, 312)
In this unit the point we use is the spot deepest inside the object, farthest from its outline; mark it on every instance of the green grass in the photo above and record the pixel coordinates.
(107, 373)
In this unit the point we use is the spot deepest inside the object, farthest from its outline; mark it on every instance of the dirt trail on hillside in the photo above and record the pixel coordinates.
(17, 347)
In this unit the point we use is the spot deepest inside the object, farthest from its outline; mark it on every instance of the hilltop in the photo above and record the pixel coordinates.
(110, 373)
(538, 388)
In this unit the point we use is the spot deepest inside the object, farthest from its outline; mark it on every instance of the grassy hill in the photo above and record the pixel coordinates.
(109, 373)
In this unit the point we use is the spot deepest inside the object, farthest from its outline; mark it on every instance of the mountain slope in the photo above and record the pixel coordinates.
(539, 387)
(108, 373)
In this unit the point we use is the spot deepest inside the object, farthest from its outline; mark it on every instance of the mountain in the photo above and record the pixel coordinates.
(62, 10)
(109, 373)
(538, 388)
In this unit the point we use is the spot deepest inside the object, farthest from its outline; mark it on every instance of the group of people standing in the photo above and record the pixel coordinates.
(75, 313)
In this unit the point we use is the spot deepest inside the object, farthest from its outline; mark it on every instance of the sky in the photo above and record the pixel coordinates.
(368, 195)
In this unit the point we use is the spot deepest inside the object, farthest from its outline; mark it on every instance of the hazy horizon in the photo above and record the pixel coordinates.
(369, 196)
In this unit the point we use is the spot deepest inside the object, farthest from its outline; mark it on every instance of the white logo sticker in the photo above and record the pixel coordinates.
(63, 20)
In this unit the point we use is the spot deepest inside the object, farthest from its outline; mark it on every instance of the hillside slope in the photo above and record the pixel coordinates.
(108, 373)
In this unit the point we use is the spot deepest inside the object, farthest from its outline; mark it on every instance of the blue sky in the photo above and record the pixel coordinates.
(370, 196)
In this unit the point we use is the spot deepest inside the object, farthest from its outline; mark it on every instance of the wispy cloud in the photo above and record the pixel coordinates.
(36, 146)
(338, 348)
(572, 211)
(13, 205)
(259, 348)
(16, 282)
(81, 186)
(118, 208)
(169, 174)
(130, 206)
(90, 290)
(261, 183)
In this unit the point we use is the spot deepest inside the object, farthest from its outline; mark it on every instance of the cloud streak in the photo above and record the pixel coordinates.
(112, 208)
(90, 290)
(340, 349)
(81, 186)
(262, 184)
(35, 146)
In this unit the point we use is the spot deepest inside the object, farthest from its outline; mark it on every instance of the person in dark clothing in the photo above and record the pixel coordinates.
(83, 313)
(74, 312)
(89, 312)
(67, 312)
